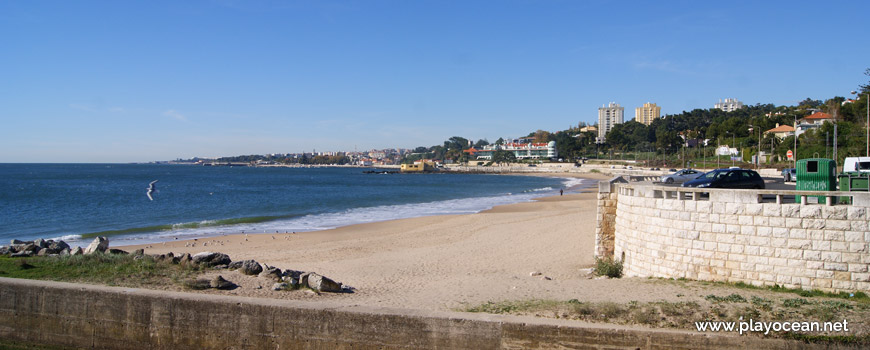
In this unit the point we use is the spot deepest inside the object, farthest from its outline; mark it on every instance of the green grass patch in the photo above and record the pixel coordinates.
(108, 269)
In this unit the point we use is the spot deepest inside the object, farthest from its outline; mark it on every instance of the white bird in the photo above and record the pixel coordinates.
(151, 188)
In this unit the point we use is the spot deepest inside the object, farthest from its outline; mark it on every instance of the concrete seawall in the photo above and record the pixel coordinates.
(86, 316)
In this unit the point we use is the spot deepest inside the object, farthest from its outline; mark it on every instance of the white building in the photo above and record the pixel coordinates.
(528, 150)
(730, 104)
(608, 116)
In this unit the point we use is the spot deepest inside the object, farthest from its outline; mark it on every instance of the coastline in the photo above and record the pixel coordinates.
(419, 262)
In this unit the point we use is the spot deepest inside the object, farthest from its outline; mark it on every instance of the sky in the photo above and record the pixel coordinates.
(139, 81)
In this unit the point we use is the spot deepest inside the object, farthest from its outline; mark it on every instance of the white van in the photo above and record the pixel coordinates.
(857, 164)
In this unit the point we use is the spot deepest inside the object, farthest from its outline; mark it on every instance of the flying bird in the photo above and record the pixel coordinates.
(151, 188)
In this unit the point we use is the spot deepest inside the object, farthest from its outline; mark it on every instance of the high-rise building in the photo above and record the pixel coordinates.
(730, 104)
(608, 116)
(647, 113)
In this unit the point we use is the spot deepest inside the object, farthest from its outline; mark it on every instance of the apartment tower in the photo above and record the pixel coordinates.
(647, 113)
(608, 116)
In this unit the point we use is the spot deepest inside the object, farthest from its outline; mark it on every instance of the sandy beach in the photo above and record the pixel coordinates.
(443, 262)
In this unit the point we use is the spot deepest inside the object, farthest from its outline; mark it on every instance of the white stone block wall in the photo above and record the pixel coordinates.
(792, 245)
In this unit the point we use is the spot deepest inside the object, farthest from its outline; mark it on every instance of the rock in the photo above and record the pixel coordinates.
(41, 243)
(294, 283)
(279, 286)
(58, 246)
(31, 248)
(5, 250)
(235, 265)
(22, 254)
(99, 244)
(117, 251)
(220, 283)
(183, 259)
(271, 272)
(303, 279)
(211, 259)
(545, 278)
(139, 252)
(250, 267)
(292, 274)
(77, 251)
(44, 252)
(535, 273)
(17, 242)
(323, 284)
(159, 257)
(170, 255)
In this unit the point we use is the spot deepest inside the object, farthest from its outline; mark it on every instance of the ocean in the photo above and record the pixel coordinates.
(77, 202)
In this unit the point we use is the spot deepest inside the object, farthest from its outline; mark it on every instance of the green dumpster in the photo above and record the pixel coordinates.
(853, 182)
(816, 174)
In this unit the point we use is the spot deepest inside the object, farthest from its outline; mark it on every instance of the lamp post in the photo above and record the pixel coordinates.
(866, 126)
(794, 156)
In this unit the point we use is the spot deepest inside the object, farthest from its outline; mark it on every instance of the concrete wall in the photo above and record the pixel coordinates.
(731, 237)
(85, 316)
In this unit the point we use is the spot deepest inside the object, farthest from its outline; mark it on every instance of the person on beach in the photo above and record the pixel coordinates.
(561, 191)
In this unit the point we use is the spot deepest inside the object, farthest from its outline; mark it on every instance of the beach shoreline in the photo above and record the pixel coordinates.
(426, 257)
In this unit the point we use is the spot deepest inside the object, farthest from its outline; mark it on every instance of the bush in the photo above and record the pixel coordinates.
(608, 267)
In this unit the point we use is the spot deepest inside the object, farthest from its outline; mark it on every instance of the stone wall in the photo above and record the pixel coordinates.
(731, 237)
(86, 316)
(606, 218)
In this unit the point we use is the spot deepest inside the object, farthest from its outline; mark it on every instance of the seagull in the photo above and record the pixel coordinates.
(151, 189)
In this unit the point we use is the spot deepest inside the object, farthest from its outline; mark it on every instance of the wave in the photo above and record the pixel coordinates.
(324, 221)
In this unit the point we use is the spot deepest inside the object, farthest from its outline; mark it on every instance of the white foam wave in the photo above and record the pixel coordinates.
(348, 217)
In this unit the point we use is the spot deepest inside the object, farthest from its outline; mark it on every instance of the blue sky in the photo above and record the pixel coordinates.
(127, 81)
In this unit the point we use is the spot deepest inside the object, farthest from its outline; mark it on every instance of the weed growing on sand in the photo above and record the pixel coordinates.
(608, 267)
(733, 298)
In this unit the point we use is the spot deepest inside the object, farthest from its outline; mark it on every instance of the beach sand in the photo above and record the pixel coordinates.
(442, 262)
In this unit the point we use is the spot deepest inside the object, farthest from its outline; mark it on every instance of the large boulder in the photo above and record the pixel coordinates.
(77, 251)
(250, 267)
(220, 283)
(17, 242)
(58, 245)
(99, 244)
(271, 272)
(210, 259)
(41, 243)
(323, 284)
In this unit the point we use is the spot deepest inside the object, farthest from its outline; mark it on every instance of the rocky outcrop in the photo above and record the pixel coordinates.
(98, 245)
(322, 284)
(210, 259)
(220, 283)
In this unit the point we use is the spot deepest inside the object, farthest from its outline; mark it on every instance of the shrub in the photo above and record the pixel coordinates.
(608, 267)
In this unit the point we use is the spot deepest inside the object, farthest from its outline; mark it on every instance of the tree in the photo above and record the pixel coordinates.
(542, 136)
(500, 141)
(502, 156)
(480, 143)
(866, 87)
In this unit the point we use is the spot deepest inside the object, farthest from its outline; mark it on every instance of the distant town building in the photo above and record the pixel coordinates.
(608, 116)
(730, 104)
(781, 131)
(528, 150)
(588, 128)
(812, 121)
(647, 113)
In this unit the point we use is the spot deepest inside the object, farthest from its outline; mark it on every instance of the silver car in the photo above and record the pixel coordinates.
(681, 176)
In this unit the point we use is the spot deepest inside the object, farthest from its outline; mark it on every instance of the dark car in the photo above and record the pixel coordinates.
(728, 178)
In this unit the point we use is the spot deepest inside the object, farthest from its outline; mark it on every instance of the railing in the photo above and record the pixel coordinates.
(745, 195)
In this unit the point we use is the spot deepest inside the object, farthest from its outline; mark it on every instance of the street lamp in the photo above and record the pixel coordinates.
(867, 126)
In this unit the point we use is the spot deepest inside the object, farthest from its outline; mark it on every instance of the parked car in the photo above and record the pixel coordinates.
(681, 176)
(789, 174)
(728, 178)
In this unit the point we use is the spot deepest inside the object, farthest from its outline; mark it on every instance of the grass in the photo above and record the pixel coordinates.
(683, 315)
(108, 269)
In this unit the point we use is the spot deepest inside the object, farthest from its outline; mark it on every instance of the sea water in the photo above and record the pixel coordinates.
(77, 202)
